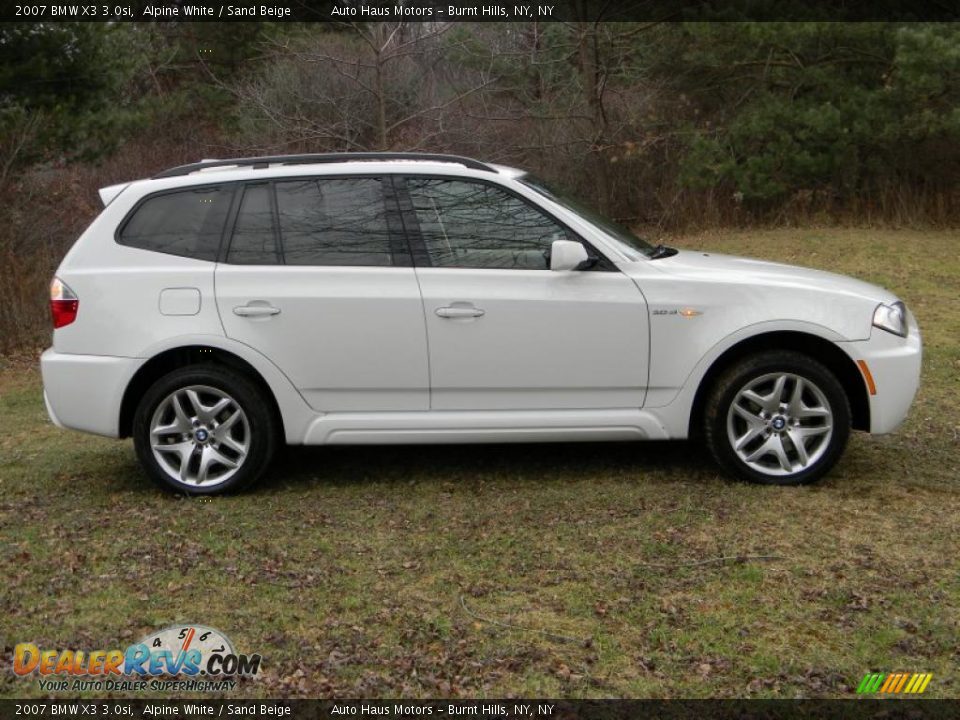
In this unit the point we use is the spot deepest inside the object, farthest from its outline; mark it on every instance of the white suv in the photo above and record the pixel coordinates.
(220, 308)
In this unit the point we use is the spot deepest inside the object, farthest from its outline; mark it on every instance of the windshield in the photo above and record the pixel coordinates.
(624, 240)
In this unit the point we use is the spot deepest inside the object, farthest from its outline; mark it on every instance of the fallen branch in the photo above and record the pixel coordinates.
(552, 636)
(738, 559)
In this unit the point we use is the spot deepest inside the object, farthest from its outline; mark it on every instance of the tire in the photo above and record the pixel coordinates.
(759, 429)
(204, 430)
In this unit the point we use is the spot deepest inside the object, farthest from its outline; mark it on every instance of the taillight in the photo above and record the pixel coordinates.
(64, 304)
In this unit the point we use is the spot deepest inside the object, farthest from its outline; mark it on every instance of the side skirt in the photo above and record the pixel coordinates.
(488, 426)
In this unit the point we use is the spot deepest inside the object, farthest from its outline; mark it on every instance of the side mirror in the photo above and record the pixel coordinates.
(567, 255)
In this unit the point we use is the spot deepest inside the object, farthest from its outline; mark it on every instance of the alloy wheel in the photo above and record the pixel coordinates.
(780, 424)
(199, 435)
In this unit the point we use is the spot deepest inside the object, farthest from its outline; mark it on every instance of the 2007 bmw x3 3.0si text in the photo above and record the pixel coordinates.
(221, 308)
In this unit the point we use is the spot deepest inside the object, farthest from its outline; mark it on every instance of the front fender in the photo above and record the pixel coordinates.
(673, 404)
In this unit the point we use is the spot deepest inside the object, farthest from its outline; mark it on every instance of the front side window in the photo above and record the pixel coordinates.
(188, 223)
(628, 243)
(467, 224)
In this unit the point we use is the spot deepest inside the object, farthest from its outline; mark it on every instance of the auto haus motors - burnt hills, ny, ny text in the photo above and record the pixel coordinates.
(400, 710)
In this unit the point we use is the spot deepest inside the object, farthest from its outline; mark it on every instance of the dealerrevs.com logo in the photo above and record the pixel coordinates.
(177, 658)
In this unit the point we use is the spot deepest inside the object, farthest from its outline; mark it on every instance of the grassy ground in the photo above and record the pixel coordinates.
(384, 571)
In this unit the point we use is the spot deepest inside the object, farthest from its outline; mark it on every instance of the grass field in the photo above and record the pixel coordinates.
(397, 571)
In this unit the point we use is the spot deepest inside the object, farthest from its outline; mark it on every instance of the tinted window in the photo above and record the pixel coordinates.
(187, 223)
(254, 239)
(475, 225)
(334, 222)
(635, 246)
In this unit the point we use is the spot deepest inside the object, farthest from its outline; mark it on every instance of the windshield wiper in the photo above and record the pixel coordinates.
(662, 251)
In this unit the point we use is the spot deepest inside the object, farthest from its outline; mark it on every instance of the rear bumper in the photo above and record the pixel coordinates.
(84, 392)
(894, 365)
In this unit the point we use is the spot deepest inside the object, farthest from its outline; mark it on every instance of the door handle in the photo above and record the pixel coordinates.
(460, 311)
(256, 310)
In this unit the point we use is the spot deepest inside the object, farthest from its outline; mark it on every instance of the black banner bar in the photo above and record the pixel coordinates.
(524, 11)
(509, 709)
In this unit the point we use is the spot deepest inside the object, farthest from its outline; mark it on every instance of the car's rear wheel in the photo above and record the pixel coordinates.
(203, 430)
(777, 417)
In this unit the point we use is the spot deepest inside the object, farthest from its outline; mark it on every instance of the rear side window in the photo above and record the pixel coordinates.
(334, 222)
(314, 221)
(188, 223)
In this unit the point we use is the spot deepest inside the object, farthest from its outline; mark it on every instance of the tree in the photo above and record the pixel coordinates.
(360, 86)
(840, 111)
(61, 90)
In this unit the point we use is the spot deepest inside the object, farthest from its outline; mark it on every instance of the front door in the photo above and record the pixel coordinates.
(318, 278)
(504, 331)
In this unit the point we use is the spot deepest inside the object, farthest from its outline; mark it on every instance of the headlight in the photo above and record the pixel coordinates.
(892, 318)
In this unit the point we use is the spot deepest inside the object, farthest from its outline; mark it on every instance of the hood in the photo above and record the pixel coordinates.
(708, 266)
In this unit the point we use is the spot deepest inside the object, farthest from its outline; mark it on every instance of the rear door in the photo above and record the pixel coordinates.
(317, 277)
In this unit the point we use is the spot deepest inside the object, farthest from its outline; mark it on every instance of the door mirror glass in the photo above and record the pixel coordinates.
(567, 255)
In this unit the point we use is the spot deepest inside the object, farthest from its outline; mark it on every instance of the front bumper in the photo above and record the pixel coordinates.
(84, 392)
(894, 365)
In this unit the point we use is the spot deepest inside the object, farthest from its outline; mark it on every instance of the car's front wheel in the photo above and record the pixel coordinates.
(777, 417)
(203, 430)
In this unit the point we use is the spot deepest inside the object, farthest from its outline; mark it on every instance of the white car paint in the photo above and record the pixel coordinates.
(545, 340)
(349, 338)
(359, 355)
(895, 367)
(733, 295)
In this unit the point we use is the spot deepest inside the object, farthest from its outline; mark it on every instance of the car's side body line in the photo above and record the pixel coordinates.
(483, 426)
(649, 358)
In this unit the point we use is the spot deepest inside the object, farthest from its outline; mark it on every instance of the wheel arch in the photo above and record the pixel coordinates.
(819, 348)
(183, 356)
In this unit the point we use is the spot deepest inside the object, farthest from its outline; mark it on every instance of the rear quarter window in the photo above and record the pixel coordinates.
(188, 222)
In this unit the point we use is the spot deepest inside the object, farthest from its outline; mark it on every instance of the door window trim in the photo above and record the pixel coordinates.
(231, 224)
(418, 247)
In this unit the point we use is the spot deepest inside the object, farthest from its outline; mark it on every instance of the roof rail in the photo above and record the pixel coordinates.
(266, 161)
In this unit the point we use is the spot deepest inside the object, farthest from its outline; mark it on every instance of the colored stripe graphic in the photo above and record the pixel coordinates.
(903, 679)
(867, 685)
(893, 683)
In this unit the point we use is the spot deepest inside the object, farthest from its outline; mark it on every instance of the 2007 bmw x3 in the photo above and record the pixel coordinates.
(221, 308)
